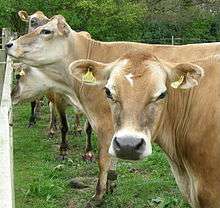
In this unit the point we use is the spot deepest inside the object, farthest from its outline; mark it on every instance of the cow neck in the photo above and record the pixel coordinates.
(104, 51)
(110, 51)
(175, 122)
(81, 47)
(89, 51)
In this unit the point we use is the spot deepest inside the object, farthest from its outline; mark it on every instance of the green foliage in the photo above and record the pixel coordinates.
(152, 21)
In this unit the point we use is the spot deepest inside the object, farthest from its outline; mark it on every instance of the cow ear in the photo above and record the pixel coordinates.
(62, 26)
(23, 15)
(89, 72)
(185, 76)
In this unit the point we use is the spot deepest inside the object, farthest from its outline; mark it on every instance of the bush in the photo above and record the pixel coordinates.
(129, 20)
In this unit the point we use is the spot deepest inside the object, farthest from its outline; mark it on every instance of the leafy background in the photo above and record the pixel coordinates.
(150, 21)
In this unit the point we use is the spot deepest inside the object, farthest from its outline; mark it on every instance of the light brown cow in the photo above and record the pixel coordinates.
(55, 45)
(157, 101)
(57, 102)
(35, 20)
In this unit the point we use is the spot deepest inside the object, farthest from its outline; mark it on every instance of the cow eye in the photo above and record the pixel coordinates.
(45, 32)
(34, 22)
(162, 95)
(108, 93)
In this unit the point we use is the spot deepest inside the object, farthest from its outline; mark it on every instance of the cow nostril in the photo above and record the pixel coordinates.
(117, 143)
(140, 144)
(17, 76)
(8, 45)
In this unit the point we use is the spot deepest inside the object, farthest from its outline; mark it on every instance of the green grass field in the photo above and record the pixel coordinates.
(41, 181)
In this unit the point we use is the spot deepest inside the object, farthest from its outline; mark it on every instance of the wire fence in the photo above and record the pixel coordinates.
(172, 40)
(179, 41)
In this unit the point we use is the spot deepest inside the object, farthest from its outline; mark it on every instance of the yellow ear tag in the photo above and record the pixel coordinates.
(88, 77)
(22, 73)
(177, 83)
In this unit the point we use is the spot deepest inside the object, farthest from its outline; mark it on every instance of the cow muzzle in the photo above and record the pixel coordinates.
(12, 50)
(130, 147)
(14, 97)
(8, 45)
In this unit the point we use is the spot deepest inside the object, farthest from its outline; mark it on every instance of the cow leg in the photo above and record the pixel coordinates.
(38, 107)
(32, 119)
(88, 150)
(112, 176)
(104, 164)
(64, 129)
(53, 120)
(106, 179)
(77, 127)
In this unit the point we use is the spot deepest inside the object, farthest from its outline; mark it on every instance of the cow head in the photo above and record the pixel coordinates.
(136, 86)
(35, 20)
(45, 45)
(30, 83)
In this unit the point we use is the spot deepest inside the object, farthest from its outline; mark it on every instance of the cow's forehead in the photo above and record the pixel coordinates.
(117, 70)
(132, 74)
(158, 76)
(39, 15)
(52, 24)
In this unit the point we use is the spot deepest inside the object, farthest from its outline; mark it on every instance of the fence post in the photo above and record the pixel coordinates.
(6, 139)
(172, 40)
(5, 36)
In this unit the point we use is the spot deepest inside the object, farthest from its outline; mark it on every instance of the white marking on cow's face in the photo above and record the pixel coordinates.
(161, 77)
(130, 132)
(116, 70)
(129, 78)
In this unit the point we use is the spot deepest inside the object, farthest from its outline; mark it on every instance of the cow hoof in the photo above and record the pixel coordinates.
(31, 124)
(62, 157)
(111, 181)
(50, 135)
(76, 184)
(111, 185)
(77, 131)
(112, 175)
(94, 202)
(89, 156)
(64, 152)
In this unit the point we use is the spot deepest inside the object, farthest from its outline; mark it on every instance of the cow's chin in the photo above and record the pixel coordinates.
(15, 54)
(19, 99)
(30, 62)
(38, 62)
(15, 100)
(14, 57)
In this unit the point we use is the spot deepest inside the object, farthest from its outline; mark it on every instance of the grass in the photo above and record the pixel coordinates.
(41, 181)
